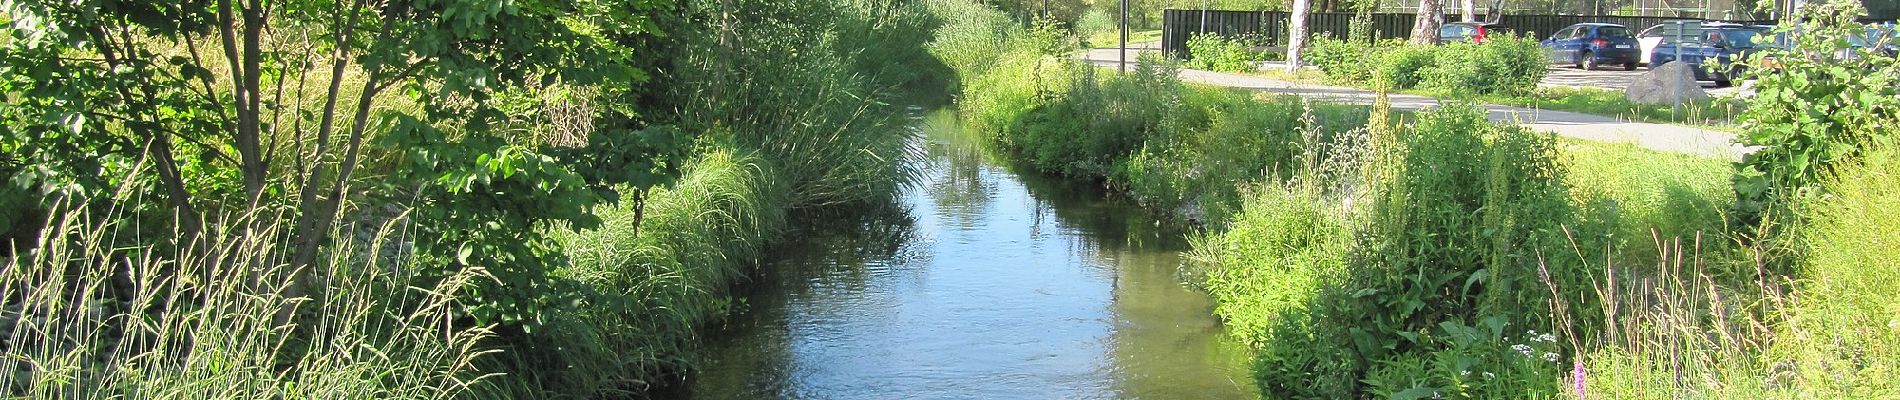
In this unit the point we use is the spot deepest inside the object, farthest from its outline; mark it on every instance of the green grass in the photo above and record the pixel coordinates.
(1637, 193)
(1844, 330)
(1713, 113)
(1826, 330)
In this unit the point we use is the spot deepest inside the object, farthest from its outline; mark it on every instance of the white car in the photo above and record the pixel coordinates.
(1648, 40)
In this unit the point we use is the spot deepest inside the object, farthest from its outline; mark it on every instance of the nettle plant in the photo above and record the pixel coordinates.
(1820, 100)
(281, 107)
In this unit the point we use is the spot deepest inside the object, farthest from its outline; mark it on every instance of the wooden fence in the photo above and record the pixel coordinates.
(1270, 27)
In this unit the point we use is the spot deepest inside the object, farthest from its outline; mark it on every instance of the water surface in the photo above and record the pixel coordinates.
(978, 283)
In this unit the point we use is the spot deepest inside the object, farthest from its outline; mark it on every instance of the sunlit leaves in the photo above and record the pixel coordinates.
(1819, 102)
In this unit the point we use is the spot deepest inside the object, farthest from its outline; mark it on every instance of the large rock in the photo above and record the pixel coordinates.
(1671, 84)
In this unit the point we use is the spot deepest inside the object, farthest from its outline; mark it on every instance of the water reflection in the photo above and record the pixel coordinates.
(980, 283)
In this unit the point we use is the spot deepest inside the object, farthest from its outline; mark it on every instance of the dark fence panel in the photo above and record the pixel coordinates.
(1177, 26)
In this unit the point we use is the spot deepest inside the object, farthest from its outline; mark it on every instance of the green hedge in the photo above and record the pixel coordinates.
(1505, 64)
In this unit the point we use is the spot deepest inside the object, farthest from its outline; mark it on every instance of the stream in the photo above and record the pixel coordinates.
(979, 282)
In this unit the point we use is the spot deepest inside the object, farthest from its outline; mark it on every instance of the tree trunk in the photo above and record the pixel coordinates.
(1296, 35)
(1431, 15)
(1466, 10)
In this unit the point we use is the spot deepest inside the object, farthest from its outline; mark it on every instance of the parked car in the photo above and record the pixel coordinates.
(1652, 37)
(1714, 53)
(1469, 32)
(1591, 45)
(1879, 39)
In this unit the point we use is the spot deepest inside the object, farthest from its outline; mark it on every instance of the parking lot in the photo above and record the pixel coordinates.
(1617, 79)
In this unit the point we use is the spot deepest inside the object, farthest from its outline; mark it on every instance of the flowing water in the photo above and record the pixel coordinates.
(980, 282)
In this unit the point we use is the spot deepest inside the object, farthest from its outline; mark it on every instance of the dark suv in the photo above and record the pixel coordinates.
(1588, 46)
(1713, 54)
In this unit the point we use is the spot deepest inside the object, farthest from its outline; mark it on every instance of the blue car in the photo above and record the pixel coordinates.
(1713, 54)
(1589, 46)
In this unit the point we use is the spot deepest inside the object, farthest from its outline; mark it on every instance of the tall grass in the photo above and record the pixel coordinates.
(85, 318)
(812, 87)
(656, 277)
(1844, 331)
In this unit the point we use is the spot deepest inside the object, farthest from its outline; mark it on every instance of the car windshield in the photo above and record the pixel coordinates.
(1614, 32)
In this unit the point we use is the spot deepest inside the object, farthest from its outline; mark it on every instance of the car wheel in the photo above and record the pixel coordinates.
(1589, 62)
(1629, 67)
(1723, 84)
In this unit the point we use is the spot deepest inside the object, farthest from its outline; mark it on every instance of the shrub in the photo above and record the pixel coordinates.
(1504, 64)
(1342, 61)
(1431, 289)
(1399, 67)
(1213, 52)
(1822, 105)
(1267, 270)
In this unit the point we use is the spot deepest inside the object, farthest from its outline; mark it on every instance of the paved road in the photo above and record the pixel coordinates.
(1663, 137)
(1613, 79)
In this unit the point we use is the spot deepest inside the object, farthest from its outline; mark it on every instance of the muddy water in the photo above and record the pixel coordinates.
(980, 282)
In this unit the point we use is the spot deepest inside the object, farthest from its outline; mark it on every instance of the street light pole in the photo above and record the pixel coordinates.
(1123, 52)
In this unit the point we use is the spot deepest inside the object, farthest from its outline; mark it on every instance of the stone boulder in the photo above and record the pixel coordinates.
(1671, 84)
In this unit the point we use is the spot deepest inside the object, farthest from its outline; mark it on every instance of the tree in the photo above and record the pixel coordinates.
(1431, 15)
(1296, 42)
(1465, 10)
(289, 94)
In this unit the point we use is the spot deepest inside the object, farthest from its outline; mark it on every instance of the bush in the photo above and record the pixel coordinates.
(1504, 64)
(1213, 52)
(1267, 271)
(1819, 108)
(1341, 60)
(1399, 67)
(1428, 294)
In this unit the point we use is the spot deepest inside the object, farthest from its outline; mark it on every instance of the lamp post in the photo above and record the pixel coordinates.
(1122, 66)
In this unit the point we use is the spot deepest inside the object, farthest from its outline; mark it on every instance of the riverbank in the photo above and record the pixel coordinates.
(1442, 253)
(517, 227)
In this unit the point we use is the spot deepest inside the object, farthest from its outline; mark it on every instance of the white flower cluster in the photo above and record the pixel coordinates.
(1537, 337)
(1528, 352)
(1524, 349)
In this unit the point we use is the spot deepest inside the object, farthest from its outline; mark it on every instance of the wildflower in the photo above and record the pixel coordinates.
(1577, 375)
(1550, 357)
(1523, 349)
(1489, 375)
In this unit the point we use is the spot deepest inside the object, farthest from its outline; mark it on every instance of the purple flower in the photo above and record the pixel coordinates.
(1577, 376)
